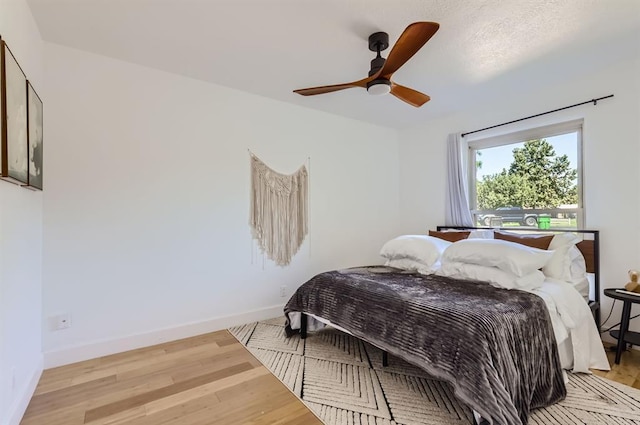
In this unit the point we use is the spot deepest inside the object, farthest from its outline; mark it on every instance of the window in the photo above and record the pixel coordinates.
(531, 178)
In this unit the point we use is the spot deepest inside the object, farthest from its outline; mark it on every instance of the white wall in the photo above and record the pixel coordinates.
(20, 243)
(611, 150)
(147, 202)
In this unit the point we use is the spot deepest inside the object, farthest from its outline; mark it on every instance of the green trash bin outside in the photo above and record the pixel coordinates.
(544, 221)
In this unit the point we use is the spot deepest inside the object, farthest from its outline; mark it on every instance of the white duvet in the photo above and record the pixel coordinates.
(576, 333)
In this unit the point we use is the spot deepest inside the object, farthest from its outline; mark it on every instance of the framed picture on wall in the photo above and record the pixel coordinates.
(34, 137)
(14, 120)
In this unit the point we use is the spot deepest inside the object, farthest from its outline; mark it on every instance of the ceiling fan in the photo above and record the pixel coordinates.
(379, 80)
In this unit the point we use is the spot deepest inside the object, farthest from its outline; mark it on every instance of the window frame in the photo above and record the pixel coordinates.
(541, 132)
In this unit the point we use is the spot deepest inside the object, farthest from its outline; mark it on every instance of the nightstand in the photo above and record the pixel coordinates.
(624, 336)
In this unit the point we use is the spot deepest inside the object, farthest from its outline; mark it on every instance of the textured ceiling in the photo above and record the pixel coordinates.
(484, 48)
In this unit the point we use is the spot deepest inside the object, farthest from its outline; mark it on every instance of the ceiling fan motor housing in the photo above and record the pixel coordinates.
(376, 64)
(378, 42)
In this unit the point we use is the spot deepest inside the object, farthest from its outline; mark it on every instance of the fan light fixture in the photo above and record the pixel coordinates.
(379, 86)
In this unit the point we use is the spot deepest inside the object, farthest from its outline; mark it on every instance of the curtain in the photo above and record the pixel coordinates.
(457, 204)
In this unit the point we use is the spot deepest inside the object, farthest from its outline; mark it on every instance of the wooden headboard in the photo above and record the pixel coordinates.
(588, 249)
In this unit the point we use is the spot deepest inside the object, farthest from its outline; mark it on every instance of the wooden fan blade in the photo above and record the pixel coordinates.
(411, 96)
(411, 40)
(328, 89)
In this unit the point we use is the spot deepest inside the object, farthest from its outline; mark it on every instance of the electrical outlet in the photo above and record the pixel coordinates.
(283, 291)
(62, 321)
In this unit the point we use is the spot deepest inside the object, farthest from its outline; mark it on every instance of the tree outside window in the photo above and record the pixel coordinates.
(517, 183)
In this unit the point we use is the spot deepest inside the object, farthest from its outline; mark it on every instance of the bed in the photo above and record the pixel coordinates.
(502, 350)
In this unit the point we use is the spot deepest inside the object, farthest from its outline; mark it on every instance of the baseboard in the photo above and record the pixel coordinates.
(17, 409)
(105, 347)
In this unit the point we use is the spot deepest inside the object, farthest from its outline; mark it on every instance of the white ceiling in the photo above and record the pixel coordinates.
(484, 49)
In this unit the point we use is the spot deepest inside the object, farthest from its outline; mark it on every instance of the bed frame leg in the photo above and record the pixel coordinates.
(385, 359)
(303, 325)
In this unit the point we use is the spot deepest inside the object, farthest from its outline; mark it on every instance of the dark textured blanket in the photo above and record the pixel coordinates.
(496, 347)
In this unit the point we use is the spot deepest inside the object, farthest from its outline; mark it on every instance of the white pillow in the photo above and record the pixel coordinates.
(481, 234)
(561, 239)
(578, 264)
(579, 276)
(411, 265)
(567, 263)
(590, 292)
(491, 275)
(583, 287)
(474, 234)
(559, 266)
(421, 248)
(508, 256)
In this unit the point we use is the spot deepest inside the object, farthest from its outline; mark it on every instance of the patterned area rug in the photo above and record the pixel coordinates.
(342, 380)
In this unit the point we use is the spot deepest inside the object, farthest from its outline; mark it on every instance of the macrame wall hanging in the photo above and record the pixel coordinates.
(279, 210)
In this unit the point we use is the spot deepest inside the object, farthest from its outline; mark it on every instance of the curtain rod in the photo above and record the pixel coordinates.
(594, 101)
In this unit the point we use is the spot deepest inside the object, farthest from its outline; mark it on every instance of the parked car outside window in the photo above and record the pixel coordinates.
(511, 215)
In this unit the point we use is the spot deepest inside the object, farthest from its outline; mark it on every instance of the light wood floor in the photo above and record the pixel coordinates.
(208, 379)
(627, 372)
